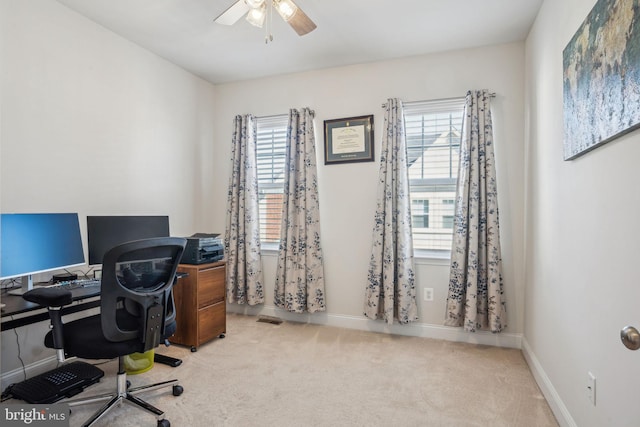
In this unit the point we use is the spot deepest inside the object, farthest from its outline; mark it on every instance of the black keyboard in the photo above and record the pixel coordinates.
(75, 284)
(65, 381)
(79, 288)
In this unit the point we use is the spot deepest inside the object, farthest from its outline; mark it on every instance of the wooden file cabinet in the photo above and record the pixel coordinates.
(201, 312)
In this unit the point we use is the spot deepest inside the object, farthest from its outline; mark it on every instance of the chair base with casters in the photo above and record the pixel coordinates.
(124, 393)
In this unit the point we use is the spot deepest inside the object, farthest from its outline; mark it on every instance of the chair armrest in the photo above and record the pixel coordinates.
(53, 299)
(49, 297)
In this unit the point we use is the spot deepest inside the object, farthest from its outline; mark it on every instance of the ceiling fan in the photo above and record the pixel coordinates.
(256, 12)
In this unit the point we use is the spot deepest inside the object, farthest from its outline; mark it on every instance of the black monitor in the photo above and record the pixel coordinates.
(105, 232)
(37, 243)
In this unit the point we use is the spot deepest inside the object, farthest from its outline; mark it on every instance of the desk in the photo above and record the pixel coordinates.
(83, 299)
(16, 305)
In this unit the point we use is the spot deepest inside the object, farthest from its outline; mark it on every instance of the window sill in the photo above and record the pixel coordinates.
(269, 249)
(423, 256)
(420, 256)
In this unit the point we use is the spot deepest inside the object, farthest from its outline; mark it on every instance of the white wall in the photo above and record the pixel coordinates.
(92, 123)
(582, 245)
(348, 191)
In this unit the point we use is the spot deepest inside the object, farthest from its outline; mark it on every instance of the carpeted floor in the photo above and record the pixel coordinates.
(294, 374)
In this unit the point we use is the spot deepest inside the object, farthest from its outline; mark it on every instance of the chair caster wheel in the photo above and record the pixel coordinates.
(193, 349)
(128, 384)
(164, 423)
(177, 390)
(221, 336)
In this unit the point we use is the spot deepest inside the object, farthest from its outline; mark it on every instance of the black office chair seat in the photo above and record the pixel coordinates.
(83, 338)
(136, 315)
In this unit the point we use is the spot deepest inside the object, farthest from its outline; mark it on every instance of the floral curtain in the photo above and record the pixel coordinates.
(300, 275)
(391, 288)
(475, 298)
(242, 237)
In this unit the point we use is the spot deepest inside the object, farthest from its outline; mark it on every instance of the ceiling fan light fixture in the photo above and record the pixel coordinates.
(256, 16)
(254, 4)
(285, 8)
(256, 12)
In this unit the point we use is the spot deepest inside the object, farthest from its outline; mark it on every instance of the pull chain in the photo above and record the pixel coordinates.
(268, 34)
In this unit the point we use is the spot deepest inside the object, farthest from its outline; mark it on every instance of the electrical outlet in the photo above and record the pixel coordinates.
(591, 388)
(428, 294)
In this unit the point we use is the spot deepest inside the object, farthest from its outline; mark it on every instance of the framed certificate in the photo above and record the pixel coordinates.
(348, 140)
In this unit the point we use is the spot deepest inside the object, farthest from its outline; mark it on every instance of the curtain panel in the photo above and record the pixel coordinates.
(476, 297)
(299, 283)
(391, 291)
(242, 231)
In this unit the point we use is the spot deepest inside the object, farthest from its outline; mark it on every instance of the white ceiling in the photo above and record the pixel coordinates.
(349, 32)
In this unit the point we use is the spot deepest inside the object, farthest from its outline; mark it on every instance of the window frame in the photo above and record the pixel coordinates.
(420, 187)
(269, 180)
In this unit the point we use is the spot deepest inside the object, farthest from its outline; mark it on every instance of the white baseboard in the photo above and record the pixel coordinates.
(562, 414)
(424, 330)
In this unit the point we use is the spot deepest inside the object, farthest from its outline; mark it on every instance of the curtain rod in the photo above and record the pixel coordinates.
(270, 117)
(491, 95)
(312, 112)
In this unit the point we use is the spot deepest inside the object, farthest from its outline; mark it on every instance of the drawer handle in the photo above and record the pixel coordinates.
(210, 269)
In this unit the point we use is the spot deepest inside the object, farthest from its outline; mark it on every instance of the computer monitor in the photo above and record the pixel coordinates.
(37, 243)
(105, 232)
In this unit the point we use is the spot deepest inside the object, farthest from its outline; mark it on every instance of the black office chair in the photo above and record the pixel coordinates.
(136, 316)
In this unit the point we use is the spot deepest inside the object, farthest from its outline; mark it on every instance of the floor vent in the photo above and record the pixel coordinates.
(269, 319)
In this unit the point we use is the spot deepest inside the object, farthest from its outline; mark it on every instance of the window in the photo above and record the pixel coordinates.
(433, 131)
(271, 152)
(447, 213)
(420, 213)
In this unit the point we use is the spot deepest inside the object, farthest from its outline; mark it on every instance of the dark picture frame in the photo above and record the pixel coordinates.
(348, 140)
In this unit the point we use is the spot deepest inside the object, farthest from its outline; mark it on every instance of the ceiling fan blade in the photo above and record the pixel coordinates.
(233, 13)
(301, 23)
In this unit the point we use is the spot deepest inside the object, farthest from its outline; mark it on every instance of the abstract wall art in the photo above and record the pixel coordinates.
(601, 87)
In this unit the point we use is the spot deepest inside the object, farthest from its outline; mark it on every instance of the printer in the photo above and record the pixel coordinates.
(203, 248)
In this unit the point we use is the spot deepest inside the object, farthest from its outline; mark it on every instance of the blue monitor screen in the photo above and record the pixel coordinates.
(105, 232)
(35, 243)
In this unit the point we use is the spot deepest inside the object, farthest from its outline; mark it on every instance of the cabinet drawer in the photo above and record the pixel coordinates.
(212, 322)
(211, 286)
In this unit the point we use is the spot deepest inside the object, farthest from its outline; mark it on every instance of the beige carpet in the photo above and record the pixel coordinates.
(307, 375)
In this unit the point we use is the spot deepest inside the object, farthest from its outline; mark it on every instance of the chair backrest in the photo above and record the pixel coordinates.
(135, 293)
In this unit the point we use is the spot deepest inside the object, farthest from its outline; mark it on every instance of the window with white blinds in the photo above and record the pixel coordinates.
(271, 146)
(433, 130)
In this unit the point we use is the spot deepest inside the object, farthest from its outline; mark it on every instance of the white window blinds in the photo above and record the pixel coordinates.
(271, 146)
(433, 131)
